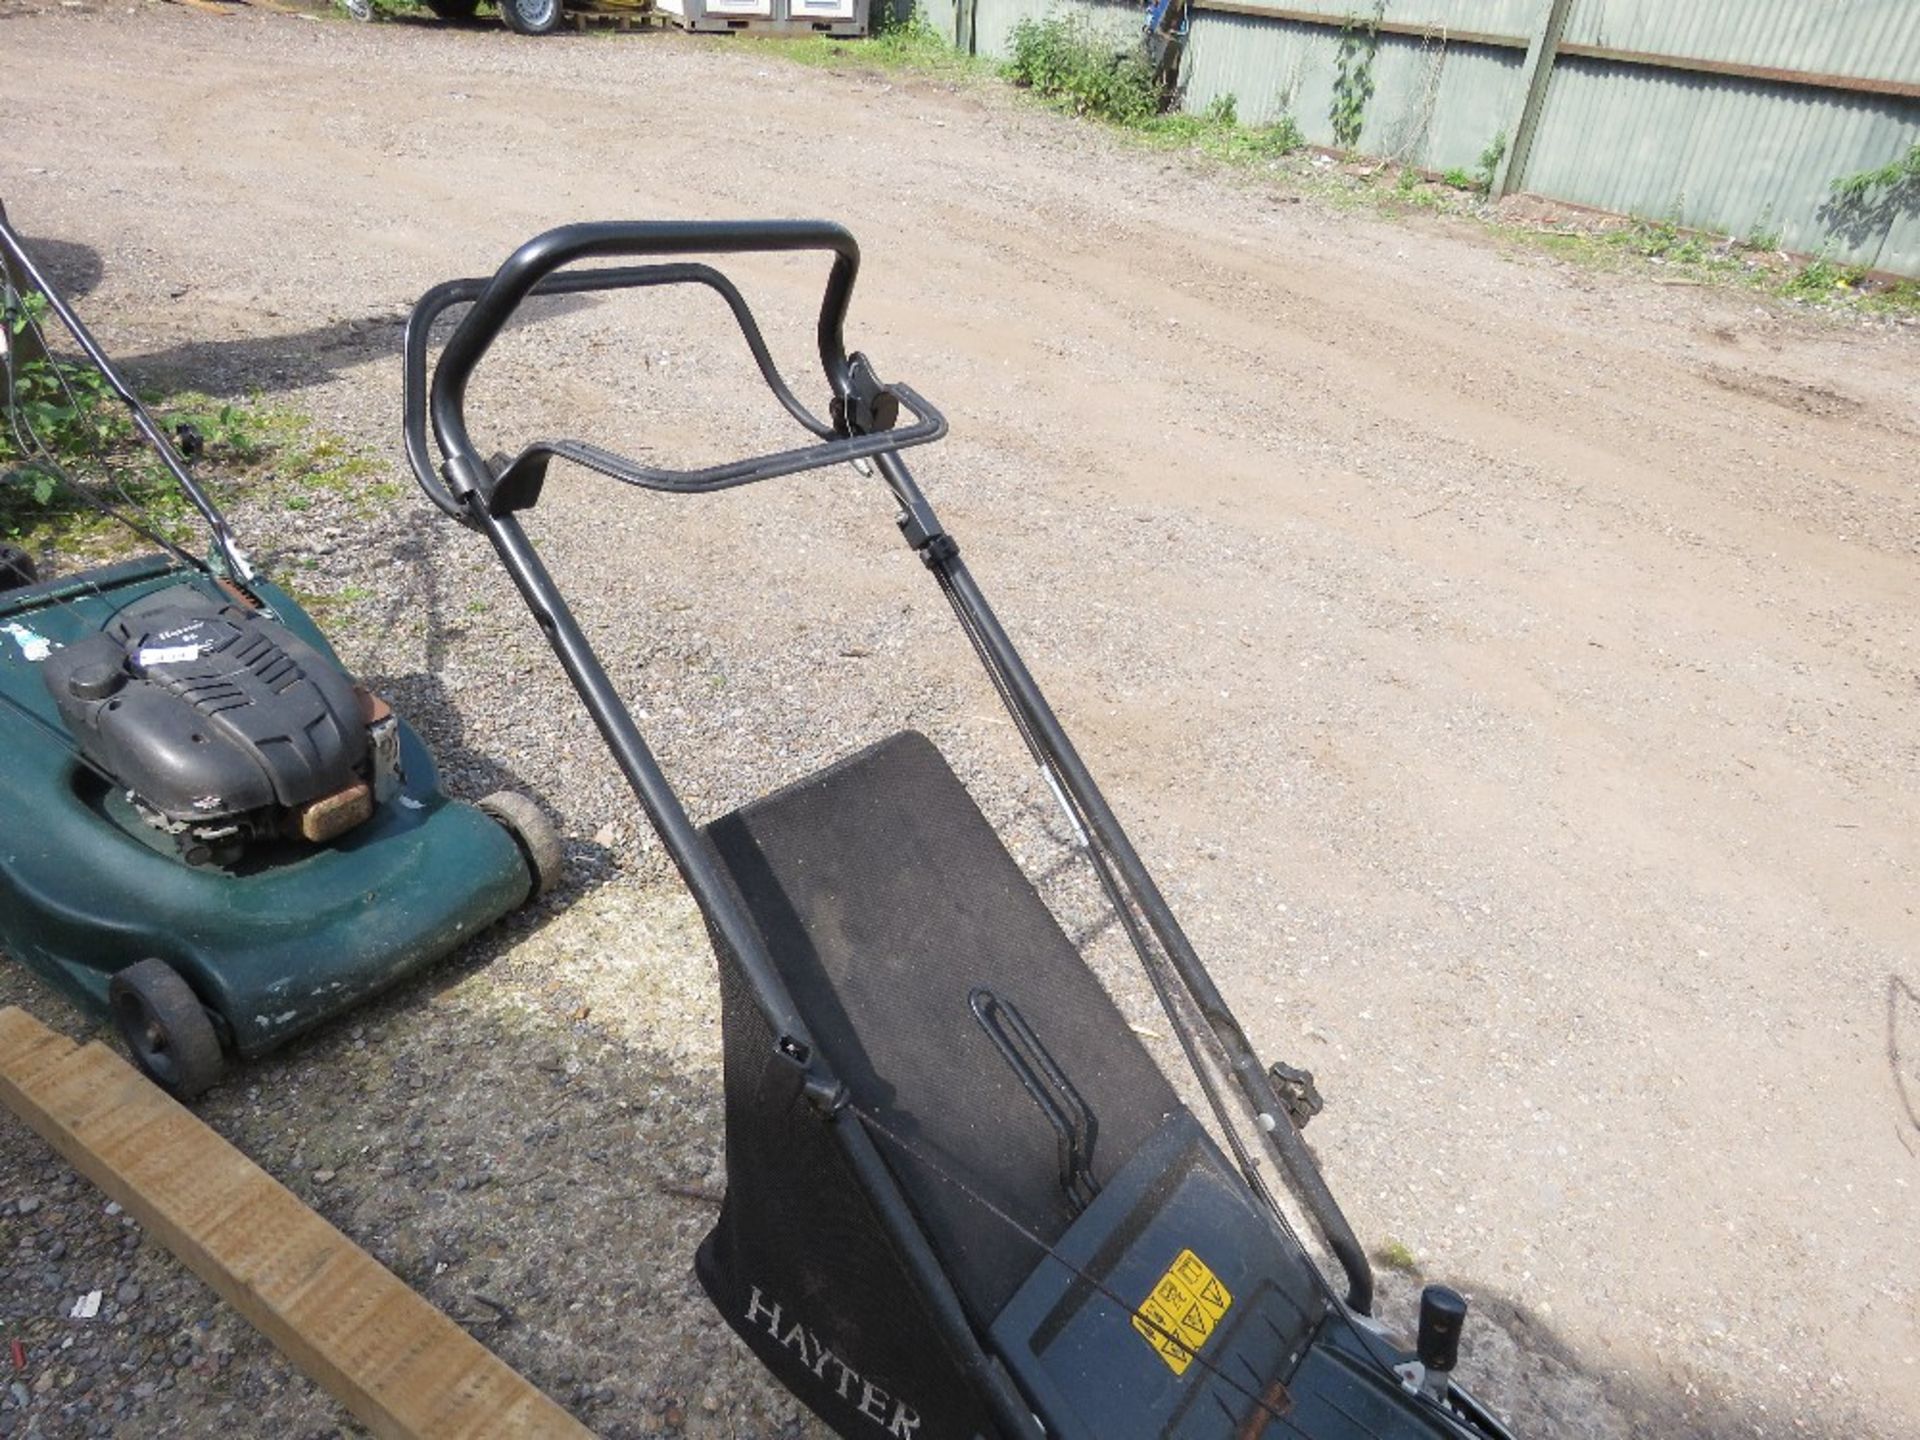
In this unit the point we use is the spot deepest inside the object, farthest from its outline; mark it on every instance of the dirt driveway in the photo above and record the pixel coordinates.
(1511, 670)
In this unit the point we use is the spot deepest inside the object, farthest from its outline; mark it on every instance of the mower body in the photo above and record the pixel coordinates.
(964, 1199)
(287, 936)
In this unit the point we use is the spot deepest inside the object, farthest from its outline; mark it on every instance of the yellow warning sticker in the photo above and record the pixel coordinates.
(1186, 1303)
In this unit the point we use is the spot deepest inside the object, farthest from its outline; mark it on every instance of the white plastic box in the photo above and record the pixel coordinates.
(770, 17)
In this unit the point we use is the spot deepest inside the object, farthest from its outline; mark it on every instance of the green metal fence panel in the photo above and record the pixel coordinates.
(1734, 116)
(994, 21)
(1862, 38)
(1502, 17)
(1432, 101)
(1747, 158)
(943, 16)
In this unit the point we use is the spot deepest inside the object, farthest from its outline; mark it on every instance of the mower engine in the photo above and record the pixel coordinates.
(223, 727)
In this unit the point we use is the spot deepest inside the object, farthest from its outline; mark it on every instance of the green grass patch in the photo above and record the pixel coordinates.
(1396, 1256)
(911, 44)
(1702, 259)
(1218, 134)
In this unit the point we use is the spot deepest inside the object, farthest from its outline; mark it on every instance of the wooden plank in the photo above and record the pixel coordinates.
(405, 1370)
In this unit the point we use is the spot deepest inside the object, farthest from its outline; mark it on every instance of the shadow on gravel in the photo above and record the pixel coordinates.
(279, 364)
(1538, 1382)
(414, 598)
(74, 268)
(543, 1186)
(545, 1183)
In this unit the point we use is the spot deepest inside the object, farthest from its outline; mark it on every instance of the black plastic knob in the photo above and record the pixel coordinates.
(96, 681)
(1443, 1314)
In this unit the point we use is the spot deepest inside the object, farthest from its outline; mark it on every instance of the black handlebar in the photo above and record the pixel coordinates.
(863, 410)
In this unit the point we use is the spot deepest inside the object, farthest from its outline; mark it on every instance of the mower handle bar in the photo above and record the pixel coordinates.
(863, 409)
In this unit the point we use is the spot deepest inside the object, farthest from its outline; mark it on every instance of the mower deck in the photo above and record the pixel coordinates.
(293, 935)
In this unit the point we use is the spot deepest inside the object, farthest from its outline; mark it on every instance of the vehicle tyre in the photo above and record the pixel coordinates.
(532, 17)
(166, 1027)
(527, 823)
(453, 9)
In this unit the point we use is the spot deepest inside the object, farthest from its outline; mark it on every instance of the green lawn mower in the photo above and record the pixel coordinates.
(209, 830)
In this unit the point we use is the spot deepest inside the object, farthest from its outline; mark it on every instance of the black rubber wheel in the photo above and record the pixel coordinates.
(166, 1028)
(453, 9)
(16, 568)
(532, 17)
(539, 842)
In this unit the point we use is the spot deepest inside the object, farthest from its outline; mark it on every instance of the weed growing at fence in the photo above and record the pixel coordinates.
(1693, 258)
(1821, 279)
(1353, 76)
(1865, 186)
(1490, 158)
(1762, 235)
(1065, 60)
(1664, 240)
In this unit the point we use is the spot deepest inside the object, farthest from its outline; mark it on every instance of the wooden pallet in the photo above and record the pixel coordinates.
(620, 14)
(405, 1370)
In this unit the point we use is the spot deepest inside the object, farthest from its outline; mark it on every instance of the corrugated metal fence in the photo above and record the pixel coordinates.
(1734, 116)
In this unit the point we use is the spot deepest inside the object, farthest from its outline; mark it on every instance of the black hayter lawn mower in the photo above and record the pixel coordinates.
(963, 1200)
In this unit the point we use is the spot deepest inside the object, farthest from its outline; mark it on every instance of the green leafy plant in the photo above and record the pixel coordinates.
(61, 404)
(1490, 158)
(1867, 203)
(1065, 60)
(907, 39)
(1665, 240)
(1821, 279)
(1864, 186)
(1480, 180)
(67, 444)
(1353, 76)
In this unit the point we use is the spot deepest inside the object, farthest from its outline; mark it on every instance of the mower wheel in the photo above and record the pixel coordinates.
(527, 823)
(532, 17)
(453, 9)
(166, 1028)
(16, 568)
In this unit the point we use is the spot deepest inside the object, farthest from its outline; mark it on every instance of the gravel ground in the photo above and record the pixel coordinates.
(1509, 670)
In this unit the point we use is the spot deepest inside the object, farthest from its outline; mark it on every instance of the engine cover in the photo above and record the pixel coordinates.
(221, 724)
